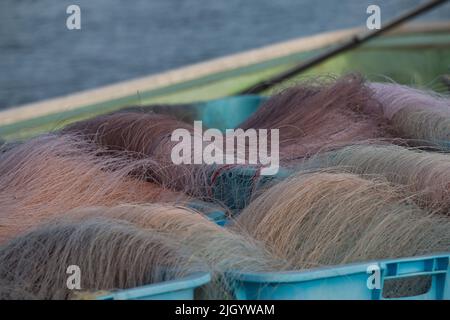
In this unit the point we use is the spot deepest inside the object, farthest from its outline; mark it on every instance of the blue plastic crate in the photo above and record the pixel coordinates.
(345, 282)
(211, 211)
(219, 217)
(229, 112)
(234, 185)
(180, 289)
(223, 113)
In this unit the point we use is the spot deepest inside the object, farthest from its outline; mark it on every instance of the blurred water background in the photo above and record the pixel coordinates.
(119, 40)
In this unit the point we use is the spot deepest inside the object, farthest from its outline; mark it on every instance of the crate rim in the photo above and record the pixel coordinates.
(326, 271)
(191, 281)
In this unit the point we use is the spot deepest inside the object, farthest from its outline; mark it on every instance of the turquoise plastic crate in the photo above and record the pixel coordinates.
(213, 213)
(219, 217)
(349, 282)
(223, 113)
(228, 113)
(234, 185)
(180, 289)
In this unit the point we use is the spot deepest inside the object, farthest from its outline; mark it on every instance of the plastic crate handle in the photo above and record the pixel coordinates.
(436, 267)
